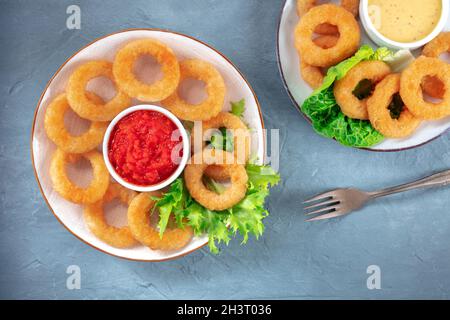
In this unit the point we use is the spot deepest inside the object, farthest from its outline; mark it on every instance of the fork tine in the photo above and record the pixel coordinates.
(321, 197)
(330, 215)
(324, 210)
(321, 204)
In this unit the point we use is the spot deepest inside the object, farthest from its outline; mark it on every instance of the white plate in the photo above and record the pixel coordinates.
(298, 90)
(69, 214)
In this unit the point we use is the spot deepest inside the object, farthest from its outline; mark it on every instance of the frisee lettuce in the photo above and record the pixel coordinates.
(325, 114)
(245, 218)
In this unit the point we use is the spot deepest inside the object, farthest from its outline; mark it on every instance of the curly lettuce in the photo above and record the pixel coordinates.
(325, 114)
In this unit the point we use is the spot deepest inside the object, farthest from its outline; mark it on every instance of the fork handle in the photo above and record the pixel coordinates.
(436, 180)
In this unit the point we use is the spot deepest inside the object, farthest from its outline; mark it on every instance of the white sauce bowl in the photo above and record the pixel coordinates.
(381, 40)
(183, 161)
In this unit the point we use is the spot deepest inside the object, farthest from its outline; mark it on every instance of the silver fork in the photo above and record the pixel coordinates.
(340, 202)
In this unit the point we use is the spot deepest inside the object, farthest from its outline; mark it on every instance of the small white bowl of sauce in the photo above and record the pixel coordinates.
(404, 24)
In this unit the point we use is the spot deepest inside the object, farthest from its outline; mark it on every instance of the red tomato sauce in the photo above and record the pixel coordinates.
(141, 146)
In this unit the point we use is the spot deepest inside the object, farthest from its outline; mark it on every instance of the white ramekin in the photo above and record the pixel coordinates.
(381, 40)
(183, 162)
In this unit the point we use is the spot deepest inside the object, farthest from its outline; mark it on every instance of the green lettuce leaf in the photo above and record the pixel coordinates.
(238, 108)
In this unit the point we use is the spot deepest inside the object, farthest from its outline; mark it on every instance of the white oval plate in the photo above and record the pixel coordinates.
(69, 214)
(298, 90)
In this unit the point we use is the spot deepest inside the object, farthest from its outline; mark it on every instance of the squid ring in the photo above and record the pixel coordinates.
(241, 141)
(57, 132)
(79, 100)
(94, 217)
(139, 223)
(126, 79)
(215, 88)
(403, 124)
(439, 45)
(411, 91)
(313, 76)
(211, 200)
(351, 106)
(304, 6)
(348, 43)
(67, 189)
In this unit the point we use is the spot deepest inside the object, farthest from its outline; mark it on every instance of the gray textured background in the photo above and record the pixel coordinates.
(408, 235)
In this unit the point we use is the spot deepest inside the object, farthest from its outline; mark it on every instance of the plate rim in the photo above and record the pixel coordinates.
(297, 106)
(48, 85)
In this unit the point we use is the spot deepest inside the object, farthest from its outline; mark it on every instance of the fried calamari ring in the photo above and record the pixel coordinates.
(193, 175)
(79, 100)
(346, 46)
(439, 45)
(241, 141)
(215, 88)
(237, 127)
(304, 6)
(352, 106)
(126, 79)
(139, 213)
(57, 132)
(403, 123)
(94, 217)
(313, 76)
(67, 189)
(411, 91)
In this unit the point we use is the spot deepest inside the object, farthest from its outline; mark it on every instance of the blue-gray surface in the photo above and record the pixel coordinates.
(407, 236)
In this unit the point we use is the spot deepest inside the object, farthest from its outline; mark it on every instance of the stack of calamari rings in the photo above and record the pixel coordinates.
(141, 229)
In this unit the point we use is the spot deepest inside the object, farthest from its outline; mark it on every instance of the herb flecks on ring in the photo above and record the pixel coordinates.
(364, 89)
(396, 106)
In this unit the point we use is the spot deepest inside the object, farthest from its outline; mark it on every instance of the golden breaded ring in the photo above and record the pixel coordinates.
(439, 45)
(304, 6)
(346, 46)
(411, 91)
(94, 217)
(209, 199)
(215, 88)
(350, 105)
(126, 79)
(57, 132)
(380, 116)
(241, 141)
(239, 130)
(313, 76)
(79, 100)
(139, 223)
(68, 190)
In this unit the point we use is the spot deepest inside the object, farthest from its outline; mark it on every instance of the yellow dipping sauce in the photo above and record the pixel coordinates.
(405, 20)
